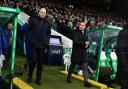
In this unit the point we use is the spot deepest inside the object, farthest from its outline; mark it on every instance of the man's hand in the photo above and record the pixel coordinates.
(86, 44)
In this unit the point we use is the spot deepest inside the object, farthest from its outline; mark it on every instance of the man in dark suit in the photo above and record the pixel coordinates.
(79, 53)
(122, 55)
(38, 36)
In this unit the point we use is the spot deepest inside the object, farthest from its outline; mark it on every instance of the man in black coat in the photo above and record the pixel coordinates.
(122, 54)
(79, 53)
(39, 35)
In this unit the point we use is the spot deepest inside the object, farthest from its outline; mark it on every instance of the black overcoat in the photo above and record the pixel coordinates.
(79, 52)
(39, 32)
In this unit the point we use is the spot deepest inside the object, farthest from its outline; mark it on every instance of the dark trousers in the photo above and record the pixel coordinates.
(84, 68)
(37, 57)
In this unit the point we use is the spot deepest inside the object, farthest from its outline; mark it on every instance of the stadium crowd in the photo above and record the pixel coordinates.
(62, 14)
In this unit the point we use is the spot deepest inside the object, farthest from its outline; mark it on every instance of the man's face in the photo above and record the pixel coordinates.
(92, 23)
(82, 26)
(42, 12)
(10, 26)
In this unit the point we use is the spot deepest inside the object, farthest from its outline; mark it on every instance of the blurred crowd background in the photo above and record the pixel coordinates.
(65, 17)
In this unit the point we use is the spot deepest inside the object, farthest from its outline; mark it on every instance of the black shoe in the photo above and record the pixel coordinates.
(38, 82)
(87, 84)
(69, 79)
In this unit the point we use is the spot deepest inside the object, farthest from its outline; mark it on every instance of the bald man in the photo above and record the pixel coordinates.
(38, 32)
(42, 12)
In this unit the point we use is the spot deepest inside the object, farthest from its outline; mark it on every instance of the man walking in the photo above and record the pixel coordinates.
(79, 53)
(39, 35)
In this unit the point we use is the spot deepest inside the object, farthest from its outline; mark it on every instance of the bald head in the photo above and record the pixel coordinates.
(42, 12)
